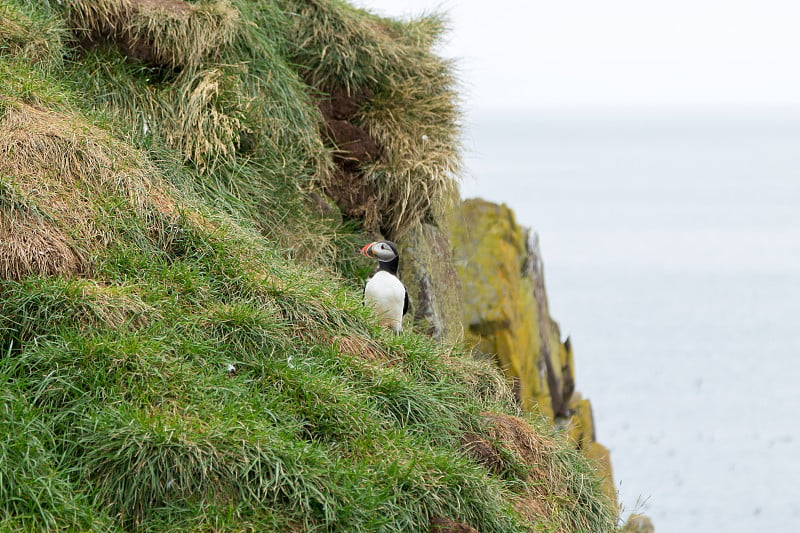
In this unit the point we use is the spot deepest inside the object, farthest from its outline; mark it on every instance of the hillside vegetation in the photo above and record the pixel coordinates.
(183, 190)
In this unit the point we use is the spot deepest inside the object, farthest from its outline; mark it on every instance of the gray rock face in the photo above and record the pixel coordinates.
(426, 268)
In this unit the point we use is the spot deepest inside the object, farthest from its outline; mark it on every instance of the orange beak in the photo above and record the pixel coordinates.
(367, 249)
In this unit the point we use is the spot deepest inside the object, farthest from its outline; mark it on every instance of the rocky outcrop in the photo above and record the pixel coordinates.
(505, 305)
(505, 314)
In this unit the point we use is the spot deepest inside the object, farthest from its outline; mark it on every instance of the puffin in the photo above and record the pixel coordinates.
(384, 291)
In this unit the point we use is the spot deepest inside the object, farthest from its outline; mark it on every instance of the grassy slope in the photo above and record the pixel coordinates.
(118, 407)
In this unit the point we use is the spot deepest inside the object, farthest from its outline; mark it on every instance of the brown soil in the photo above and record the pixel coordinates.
(353, 148)
(354, 197)
(117, 28)
(342, 105)
(443, 525)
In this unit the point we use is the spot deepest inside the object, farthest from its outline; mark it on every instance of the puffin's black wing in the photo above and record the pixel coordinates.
(405, 304)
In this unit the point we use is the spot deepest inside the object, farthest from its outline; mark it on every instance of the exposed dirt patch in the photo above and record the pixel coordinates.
(355, 197)
(443, 525)
(117, 23)
(353, 148)
(342, 105)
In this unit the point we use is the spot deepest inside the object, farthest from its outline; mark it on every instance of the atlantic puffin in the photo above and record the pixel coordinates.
(384, 290)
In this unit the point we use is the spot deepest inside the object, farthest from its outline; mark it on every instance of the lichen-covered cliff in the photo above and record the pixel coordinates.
(183, 190)
(506, 316)
(480, 280)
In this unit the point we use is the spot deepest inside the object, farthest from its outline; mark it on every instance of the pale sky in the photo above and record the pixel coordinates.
(619, 53)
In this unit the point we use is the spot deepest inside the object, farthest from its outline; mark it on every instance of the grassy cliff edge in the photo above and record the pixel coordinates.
(183, 186)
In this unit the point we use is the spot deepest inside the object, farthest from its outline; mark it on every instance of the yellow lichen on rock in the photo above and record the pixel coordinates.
(580, 424)
(500, 314)
(506, 315)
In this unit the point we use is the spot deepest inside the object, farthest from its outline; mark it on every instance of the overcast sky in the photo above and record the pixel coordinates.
(619, 53)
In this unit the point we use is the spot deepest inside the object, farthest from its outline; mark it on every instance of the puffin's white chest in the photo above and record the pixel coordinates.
(386, 294)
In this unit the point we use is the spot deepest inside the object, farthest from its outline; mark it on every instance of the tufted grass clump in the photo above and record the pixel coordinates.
(37, 490)
(413, 107)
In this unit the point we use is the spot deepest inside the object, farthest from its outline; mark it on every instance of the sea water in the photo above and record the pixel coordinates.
(671, 245)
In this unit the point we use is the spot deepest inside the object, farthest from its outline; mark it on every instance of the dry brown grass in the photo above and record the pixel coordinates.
(22, 35)
(483, 379)
(416, 124)
(201, 129)
(30, 245)
(108, 306)
(200, 111)
(534, 451)
(54, 169)
(168, 33)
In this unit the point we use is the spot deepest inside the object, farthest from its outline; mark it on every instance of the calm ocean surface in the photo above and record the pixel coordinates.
(671, 246)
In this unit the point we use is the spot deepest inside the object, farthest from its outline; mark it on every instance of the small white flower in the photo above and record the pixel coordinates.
(424, 137)
(231, 369)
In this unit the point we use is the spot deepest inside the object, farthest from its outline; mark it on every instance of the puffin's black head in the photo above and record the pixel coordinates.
(386, 254)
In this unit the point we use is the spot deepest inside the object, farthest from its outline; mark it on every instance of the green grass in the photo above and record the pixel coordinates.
(118, 409)
(129, 371)
(150, 417)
